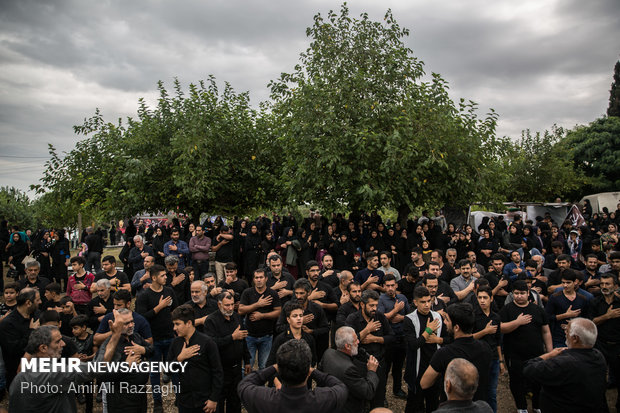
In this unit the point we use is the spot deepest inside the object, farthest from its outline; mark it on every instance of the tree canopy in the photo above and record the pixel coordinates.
(360, 130)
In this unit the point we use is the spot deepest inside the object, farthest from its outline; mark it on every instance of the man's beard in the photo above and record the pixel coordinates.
(197, 300)
(354, 350)
(227, 313)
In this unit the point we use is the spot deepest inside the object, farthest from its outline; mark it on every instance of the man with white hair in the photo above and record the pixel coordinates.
(138, 253)
(339, 363)
(460, 383)
(573, 378)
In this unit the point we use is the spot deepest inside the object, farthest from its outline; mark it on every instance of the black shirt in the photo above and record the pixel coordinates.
(238, 286)
(608, 330)
(290, 281)
(285, 336)
(265, 326)
(208, 308)
(161, 323)
(526, 341)
(480, 323)
(344, 311)
(225, 252)
(95, 302)
(406, 288)
(203, 376)
(329, 395)
(318, 325)
(358, 323)
(329, 298)
(220, 330)
(14, 333)
(120, 276)
(475, 351)
(182, 289)
(39, 284)
(332, 279)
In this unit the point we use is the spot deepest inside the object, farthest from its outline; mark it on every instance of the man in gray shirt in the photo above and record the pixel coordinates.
(463, 285)
(52, 392)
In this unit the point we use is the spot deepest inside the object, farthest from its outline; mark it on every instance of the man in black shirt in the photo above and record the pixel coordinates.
(201, 381)
(444, 292)
(315, 322)
(573, 379)
(118, 279)
(280, 281)
(329, 275)
(100, 305)
(223, 248)
(156, 304)
(486, 328)
(232, 282)
(407, 284)
(95, 249)
(176, 279)
(261, 307)
(375, 335)
(431, 282)
(15, 330)
(202, 303)
(125, 345)
(351, 306)
(224, 327)
(32, 279)
(293, 368)
(322, 294)
(424, 331)
(605, 312)
(464, 346)
(496, 279)
(526, 335)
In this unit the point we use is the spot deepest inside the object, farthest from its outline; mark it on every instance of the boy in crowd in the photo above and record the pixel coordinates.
(52, 297)
(86, 352)
(10, 299)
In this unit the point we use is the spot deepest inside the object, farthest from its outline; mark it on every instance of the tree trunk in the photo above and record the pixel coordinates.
(403, 214)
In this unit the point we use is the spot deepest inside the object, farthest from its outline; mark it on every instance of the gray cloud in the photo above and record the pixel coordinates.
(535, 63)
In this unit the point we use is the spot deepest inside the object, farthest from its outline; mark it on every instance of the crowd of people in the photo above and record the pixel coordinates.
(341, 302)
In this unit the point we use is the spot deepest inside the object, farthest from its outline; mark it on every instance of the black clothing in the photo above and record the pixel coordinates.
(464, 406)
(161, 323)
(232, 352)
(93, 321)
(480, 323)
(238, 287)
(182, 289)
(358, 323)
(121, 401)
(344, 311)
(285, 276)
(406, 288)
(262, 327)
(285, 336)
(14, 334)
(361, 384)
(120, 276)
(475, 351)
(94, 243)
(208, 308)
(526, 341)
(202, 378)
(330, 394)
(318, 325)
(608, 330)
(573, 381)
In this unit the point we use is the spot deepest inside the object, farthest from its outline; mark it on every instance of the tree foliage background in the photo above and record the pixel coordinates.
(356, 125)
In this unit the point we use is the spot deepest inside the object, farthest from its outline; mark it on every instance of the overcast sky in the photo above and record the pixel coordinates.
(535, 62)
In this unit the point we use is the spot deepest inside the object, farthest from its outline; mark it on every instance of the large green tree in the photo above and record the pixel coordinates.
(15, 207)
(595, 149)
(541, 168)
(207, 151)
(360, 130)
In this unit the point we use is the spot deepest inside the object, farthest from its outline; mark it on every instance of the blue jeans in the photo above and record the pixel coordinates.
(493, 378)
(262, 345)
(160, 352)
